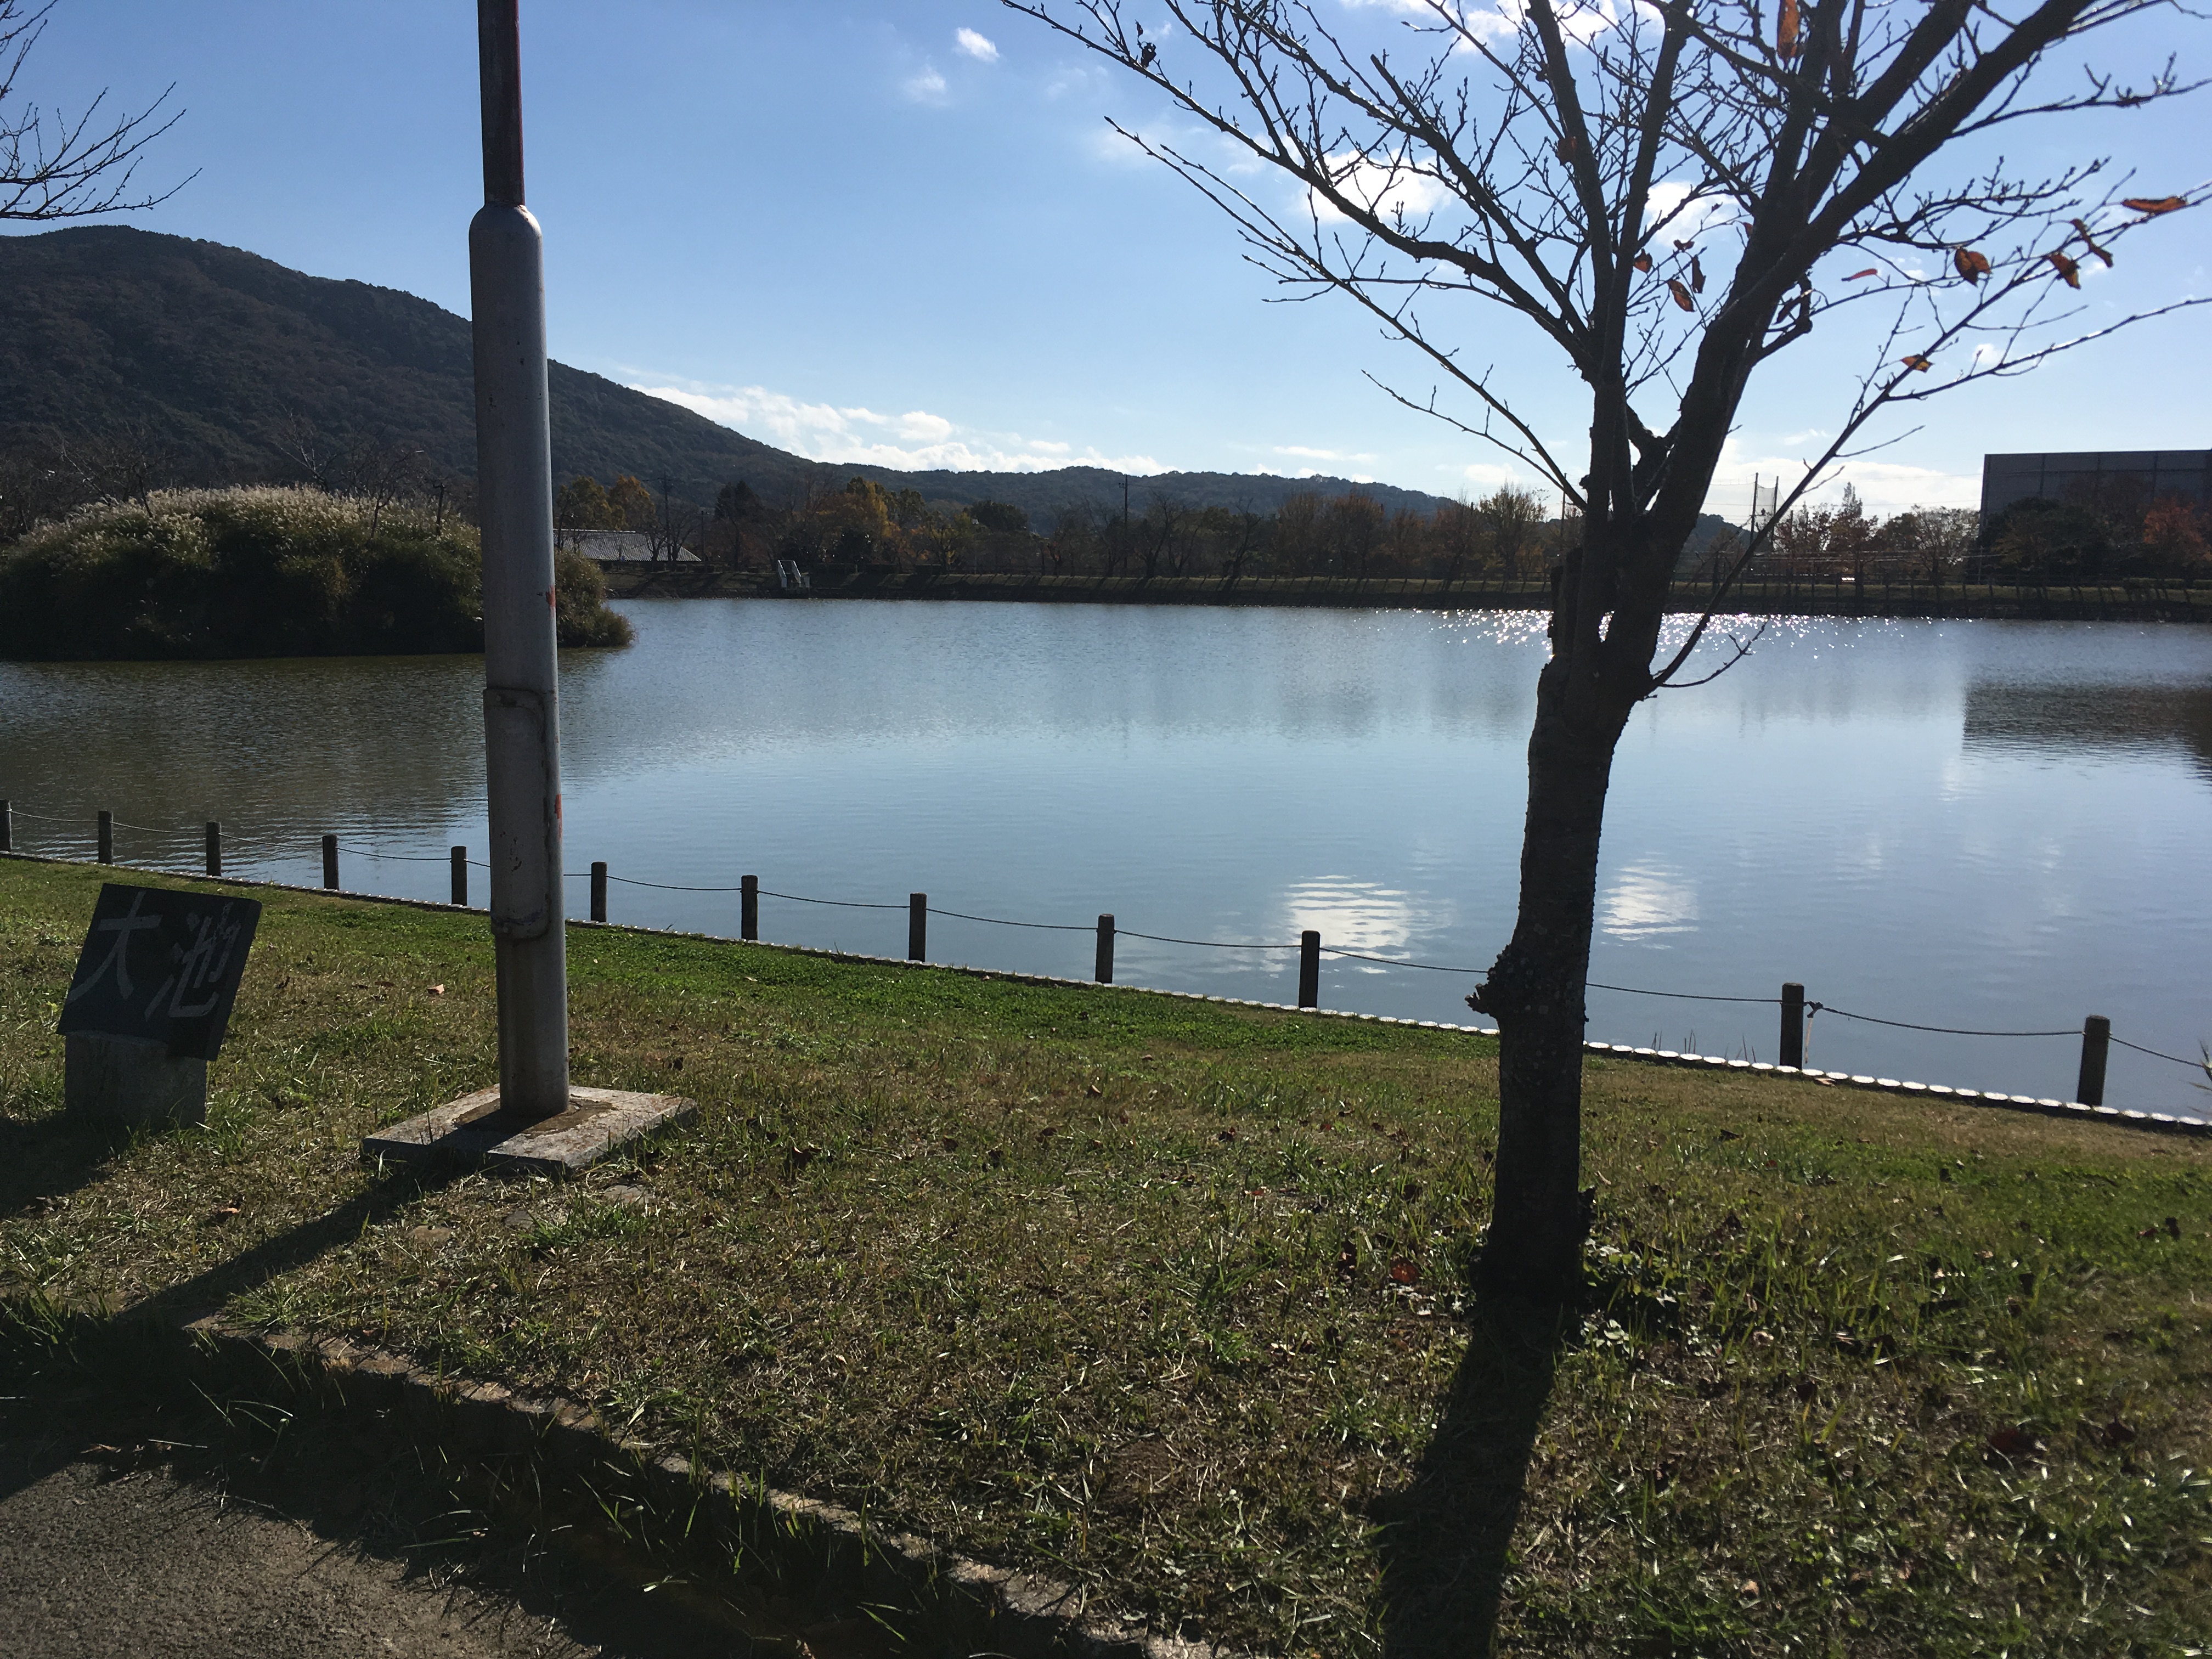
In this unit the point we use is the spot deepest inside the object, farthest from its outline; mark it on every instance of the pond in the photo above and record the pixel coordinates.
(1983, 825)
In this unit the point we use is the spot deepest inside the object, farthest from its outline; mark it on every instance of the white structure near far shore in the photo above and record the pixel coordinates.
(621, 547)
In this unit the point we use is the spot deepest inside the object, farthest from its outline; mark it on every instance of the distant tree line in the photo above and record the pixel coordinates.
(2100, 530)
(864, 525)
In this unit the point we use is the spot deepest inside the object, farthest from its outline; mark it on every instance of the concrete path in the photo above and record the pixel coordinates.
(117, 1540)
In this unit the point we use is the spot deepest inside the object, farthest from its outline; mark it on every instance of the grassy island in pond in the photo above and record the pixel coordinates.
(262, 571)
(1169, 1298)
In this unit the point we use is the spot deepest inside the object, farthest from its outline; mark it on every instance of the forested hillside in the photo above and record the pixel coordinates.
(154, 360)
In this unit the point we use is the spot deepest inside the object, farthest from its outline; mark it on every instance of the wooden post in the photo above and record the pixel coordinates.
(1310, 969)
(1104, 971)
(917, 927)
(749, 908)
(214, 849)
(1793, 1025)
(2096, 1043)
(460, 858)
(6, 826)
(599, 890)
(330, 861)
(106, 836)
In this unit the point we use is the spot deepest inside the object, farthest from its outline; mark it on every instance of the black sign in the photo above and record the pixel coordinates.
(161, 966)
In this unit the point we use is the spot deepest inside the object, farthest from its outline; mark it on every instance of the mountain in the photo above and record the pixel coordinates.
(232, 365)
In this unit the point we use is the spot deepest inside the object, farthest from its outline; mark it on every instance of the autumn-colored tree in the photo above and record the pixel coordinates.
(1670, 194)
(582, 504)
(633, 506)
(2174, 535)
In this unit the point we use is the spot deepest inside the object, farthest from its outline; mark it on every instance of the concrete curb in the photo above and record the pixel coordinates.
(829, 1553)
(2118, 1117)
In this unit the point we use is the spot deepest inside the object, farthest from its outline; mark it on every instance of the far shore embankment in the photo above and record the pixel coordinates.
(2132, 600)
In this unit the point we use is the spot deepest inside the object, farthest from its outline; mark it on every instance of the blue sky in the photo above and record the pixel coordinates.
(903, 232)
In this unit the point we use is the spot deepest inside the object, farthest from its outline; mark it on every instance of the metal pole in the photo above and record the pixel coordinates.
(214, 848)
(330, 861)
(917, 927)
(599, 890)
(106, 836)
(1310, 969)
(514, 479)
(2096, 1044)
(460, 859)
(1793, 1025)
(749, 908)
(1104, 974)
(6, 826)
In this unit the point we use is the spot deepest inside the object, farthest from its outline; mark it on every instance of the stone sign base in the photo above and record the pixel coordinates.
(473, 1131)
(131, 1079)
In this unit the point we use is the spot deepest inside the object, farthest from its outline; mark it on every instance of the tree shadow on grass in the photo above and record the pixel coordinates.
(1445, 1536)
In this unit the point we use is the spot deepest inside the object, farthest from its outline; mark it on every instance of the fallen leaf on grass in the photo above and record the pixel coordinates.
(1403, 1272)
(2012, 1442)
(437, 990)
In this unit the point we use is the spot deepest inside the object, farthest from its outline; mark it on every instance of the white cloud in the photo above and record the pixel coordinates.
(1306, 454)
(1697, 219)
(1381, 186)
(1498, 475)
(975, 45)
(1886, 486)
(916, 440)
(1482, 24)
(927, 86)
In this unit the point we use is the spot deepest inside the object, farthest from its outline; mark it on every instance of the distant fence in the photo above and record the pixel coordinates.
(1779, 593)
(1796, 1011)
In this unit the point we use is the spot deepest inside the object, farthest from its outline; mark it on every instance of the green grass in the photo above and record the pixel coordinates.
(1168, 1298)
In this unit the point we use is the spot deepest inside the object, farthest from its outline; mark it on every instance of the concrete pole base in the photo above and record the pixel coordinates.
(473, 1131)
(137, 1082)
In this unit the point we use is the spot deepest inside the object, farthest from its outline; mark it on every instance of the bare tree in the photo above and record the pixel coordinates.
(54, 167)
(382, 470)
(1662, 189)
(675, 523)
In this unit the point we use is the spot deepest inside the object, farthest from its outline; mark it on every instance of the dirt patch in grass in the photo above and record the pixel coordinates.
(1167, 1297)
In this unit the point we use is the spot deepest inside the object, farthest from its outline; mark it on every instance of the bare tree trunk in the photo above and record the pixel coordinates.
(1534, 991)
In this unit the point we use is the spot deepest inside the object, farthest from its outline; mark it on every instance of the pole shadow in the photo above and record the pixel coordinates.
(249, 1270)
(1446, 1534)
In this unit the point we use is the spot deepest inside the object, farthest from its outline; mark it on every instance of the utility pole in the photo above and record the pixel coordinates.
(514, 473)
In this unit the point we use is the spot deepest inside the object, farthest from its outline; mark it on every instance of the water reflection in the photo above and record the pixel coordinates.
(2065, 718)
(1359, 915)
(1983, 823)
(1644, 903)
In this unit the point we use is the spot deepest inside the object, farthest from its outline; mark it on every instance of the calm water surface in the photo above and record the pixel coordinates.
(1981, 824)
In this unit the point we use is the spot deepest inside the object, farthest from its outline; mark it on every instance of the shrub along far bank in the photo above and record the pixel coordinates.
(264, 572)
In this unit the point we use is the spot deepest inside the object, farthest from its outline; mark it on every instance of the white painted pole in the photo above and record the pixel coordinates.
(515, 482)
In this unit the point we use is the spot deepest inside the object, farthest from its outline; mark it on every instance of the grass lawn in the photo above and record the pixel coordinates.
(1166, 1297)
